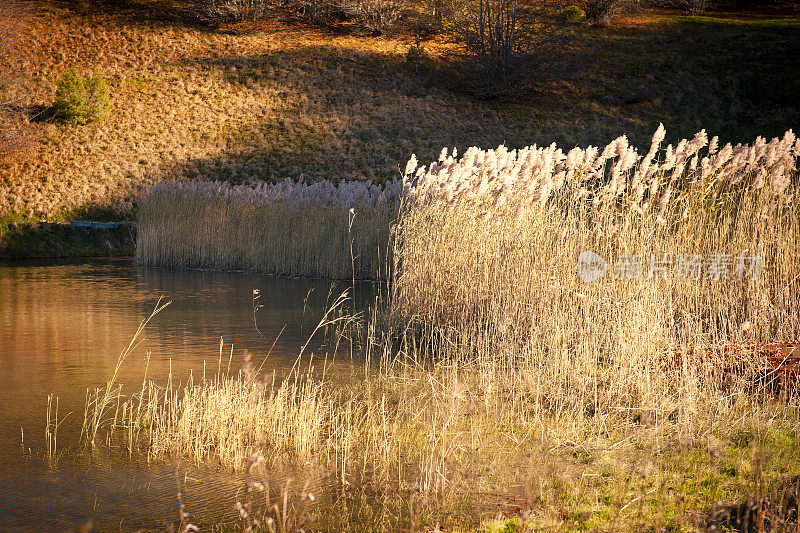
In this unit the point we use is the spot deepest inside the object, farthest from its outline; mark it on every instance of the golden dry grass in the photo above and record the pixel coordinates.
(277, 101)
(498, 375)
(319, 230)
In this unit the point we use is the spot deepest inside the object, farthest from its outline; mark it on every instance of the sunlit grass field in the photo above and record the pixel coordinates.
(273, 100)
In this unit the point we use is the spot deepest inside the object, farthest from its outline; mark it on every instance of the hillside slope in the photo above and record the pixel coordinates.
(271, 101)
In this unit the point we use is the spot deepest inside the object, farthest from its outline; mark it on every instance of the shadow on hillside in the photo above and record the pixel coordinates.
(338, 113)
(346, 113)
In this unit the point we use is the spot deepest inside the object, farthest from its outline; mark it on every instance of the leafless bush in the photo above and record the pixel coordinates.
(600, 12)
(438, 11)
(317, 11)
(694, 7)
(377, 16)
(504, 45)
(230, 10)
(426, 18)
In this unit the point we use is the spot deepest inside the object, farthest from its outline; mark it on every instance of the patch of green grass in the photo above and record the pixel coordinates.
(782, 23)
(510, 525)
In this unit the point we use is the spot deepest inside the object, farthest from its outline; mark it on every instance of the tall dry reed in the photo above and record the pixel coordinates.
(500, 369)
(488, 248)
(290, 228)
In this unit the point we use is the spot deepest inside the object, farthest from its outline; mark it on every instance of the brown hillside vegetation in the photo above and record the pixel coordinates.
(273, 100)
(15, 144)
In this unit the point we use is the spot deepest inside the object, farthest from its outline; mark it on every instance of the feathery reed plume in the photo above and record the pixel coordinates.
(488, 248)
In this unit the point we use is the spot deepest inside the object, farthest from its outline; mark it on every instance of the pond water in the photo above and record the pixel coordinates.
(62, 327)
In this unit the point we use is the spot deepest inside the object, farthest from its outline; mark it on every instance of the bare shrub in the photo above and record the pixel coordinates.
(601, 12)
(230, 10)
(437, 12)
(377, 16)
(503, 45)
(694, 7)
(316, 11)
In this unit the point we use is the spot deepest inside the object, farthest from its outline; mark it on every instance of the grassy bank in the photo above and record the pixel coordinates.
(275, 100)
(456, 444)
(25, 240)
(504, 379)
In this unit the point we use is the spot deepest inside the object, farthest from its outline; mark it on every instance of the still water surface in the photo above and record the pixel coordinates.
(62, 327)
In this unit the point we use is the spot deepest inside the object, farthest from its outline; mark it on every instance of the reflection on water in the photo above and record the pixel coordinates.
(62, 327)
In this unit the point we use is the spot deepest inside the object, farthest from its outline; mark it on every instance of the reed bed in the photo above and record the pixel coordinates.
(475, 437)
(499, 368)
(321, 229)
(488, 246)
